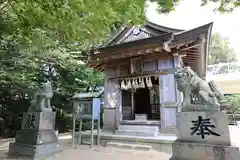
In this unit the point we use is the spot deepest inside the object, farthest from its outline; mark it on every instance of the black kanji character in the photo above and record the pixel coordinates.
(30, 121)
(201, 126)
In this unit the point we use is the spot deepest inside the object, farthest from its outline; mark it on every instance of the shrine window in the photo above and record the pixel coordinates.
(165, 63)
(124, 69)
(112, 72)
(136, 65)
(149, 65)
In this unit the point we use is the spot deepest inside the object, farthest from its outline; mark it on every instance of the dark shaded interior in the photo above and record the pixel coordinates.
(142, 101)
(145, 102)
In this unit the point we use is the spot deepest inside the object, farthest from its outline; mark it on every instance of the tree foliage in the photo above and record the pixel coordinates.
(221, 5)
(234, 101)
(68, 23)
(221, 52)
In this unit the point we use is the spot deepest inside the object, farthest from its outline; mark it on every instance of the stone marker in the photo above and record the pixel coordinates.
(202, 129)
(37, 136)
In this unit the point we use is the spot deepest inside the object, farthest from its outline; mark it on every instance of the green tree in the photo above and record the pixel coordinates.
(70, 24)
(222, 5)
(220, 50)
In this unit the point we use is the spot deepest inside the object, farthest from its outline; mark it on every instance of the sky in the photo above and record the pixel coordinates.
(189, 14)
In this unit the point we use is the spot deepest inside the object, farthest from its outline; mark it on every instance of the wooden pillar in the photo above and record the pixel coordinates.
(132, 105)
(202, 61)
(168, 100)
(112, 105)
(177, 64)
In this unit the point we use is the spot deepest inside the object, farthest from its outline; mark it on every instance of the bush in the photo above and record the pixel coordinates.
(235, 103)
(63, 121)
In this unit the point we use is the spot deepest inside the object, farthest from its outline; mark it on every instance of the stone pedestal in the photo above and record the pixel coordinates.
(109, 119)
(37, 137)
(203, 135)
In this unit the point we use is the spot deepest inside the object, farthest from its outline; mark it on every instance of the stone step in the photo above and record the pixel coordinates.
(138, 128)
(137, 133)
(128, 146)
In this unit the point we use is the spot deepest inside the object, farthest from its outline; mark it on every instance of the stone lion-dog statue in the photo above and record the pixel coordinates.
(198, 95)
(42, 98)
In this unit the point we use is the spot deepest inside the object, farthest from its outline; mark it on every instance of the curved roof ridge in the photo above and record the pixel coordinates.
(114, 35)
(160, 27)
(149, 24)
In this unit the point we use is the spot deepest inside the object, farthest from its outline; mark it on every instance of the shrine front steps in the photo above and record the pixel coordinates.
(129, 146)
(138, 127)
(138, 130)
(137, 133)
(162, 143)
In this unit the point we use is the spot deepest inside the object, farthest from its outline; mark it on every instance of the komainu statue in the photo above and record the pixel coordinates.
(42, 98)
(198, 95)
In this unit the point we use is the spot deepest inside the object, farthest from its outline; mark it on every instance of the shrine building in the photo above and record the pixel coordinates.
(139, 65)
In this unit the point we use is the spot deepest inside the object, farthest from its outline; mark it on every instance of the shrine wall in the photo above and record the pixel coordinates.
(169, 95)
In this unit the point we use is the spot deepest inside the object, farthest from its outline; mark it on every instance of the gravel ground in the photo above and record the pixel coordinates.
(101, 153)
(97, 152)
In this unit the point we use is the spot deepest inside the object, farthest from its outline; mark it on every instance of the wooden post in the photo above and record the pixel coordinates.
(132, 104)
(80, 132)
(73, 130)
(98, 132)
(92, 128)
(177, 64)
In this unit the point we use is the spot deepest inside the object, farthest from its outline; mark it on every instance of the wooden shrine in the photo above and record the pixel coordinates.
(139, 63)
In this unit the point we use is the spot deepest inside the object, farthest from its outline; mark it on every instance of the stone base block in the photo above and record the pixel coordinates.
(198, 151)
(203, 127)
(33, 151)
(34, 137)
(37, 137)
(109, 119)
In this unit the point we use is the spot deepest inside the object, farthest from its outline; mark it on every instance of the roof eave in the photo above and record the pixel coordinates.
(196, 32)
